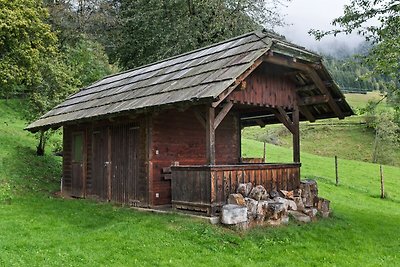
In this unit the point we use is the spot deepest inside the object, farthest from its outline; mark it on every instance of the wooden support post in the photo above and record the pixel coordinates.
(210, 135)
(382, 182)
(336, 171)
(296, 135)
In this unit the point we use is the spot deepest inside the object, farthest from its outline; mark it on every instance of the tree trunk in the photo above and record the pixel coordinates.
(42, 142)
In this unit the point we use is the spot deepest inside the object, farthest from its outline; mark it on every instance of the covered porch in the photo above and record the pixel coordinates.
(274, 90)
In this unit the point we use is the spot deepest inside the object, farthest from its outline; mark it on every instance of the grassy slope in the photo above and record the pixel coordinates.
(39, 230)
(335, 137)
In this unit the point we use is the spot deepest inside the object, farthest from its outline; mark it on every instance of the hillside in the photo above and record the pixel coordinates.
(39, 229)
(348, 138)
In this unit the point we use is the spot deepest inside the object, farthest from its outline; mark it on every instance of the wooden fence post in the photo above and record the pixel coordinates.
(382, 182)
(264, 155)
(336, 171)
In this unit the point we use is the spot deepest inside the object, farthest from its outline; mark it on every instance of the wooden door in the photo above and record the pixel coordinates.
(125, 164)
(100, 163)
(77, 164)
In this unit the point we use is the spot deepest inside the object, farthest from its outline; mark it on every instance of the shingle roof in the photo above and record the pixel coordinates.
(201, 74)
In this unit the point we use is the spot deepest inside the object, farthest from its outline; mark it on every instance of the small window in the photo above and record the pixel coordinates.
(77, 147)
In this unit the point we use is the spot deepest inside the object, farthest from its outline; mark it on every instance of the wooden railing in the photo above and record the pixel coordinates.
(206, 188)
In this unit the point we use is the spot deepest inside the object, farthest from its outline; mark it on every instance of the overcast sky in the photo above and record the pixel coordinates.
(303, 15)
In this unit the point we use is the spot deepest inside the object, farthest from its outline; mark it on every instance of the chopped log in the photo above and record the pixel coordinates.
(233, 214)
(236, 199)
(311, 212)
(287, 194)
(273, 194)
(299, 216)
(258, 193)
(252, 206)
(322, 206)
(299, 203)
(244, 189)
(309, 191)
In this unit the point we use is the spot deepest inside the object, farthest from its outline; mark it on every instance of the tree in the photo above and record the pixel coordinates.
(61, 76)
(379, 22)
(54, 84)
(387, 139)
(24, 39)
(150, 30)
(88, 61)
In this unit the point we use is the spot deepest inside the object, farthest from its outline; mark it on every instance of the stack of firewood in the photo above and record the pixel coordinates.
(253, 205)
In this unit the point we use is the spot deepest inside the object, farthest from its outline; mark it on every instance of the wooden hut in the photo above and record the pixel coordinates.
(170, 132)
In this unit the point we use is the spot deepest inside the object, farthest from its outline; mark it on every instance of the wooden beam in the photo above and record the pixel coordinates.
(199, 117)
(296, 135)
(282, 116)
(312, 100)
(238, 81)
(286, 63)
(260, 123)
(304, 88)
(312, 74)
(307, 113)
(210, 135)
(221, 115)
(321, 85)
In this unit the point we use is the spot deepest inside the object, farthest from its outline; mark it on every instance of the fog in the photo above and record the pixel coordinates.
(303, 15)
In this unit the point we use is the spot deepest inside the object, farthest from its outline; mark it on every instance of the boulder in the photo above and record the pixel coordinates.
(258, 192)
(244, 189)
(299, 216)
(233, 214)
(236, 199)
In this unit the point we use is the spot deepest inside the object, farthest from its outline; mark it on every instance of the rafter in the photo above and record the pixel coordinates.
(312, 100)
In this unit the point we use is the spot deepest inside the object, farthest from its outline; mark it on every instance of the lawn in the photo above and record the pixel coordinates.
(38, 229)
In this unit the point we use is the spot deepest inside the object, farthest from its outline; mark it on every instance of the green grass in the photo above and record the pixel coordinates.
(348, 138)
(38, 229)
(358, 101)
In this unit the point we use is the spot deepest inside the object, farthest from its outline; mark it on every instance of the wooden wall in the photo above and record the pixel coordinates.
(269, 89)
(128, 143)
(179, 137)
